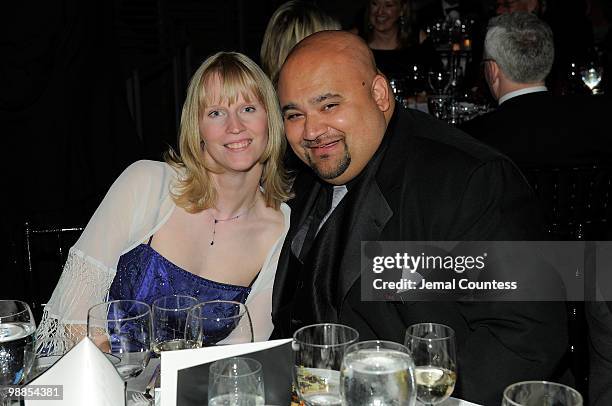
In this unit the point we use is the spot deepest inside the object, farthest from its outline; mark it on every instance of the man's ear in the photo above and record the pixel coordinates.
(381, 92)
(492, 75)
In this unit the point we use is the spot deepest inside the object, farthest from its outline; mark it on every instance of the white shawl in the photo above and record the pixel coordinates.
(135, 207)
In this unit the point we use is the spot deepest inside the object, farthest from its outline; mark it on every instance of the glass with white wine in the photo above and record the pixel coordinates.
(433, 349)
(169, 321)
(377, 373)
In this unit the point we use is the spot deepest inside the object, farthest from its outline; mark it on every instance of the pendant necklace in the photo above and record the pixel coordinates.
(237, 216)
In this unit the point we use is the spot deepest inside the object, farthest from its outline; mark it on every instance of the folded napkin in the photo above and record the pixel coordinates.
(87, 377)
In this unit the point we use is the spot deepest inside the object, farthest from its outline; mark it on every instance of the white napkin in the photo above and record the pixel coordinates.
(87, 377)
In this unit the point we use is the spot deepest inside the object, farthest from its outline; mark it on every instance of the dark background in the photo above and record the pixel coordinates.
(89, 86)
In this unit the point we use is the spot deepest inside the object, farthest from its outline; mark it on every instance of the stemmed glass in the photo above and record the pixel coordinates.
(47, 353)
(540, 393)
(377, 373)
(218, 322)
(433, 349)
(592, 74)
(17, 328)
(317, 357)
(438, 81)
(169, 321)
(122, 328)
(236, 381)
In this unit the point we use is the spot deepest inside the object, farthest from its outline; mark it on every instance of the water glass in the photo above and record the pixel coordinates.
(169, 322)
(218, 322)
(17, 329)
(236, 381)
(540, 393)
(433, 349)
(317, 357)
(377, 373)
(122, 328)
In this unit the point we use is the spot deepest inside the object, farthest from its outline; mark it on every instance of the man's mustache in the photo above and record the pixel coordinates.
(321, 140)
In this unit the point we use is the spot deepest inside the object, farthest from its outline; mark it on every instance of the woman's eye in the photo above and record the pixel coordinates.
(214, 113)
(292, 116)
(249, 109)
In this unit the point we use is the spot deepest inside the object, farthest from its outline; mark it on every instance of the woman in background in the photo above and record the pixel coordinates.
(290, 23)
(397, 47)
(209, 222)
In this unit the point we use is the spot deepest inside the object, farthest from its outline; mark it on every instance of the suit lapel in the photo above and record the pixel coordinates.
(307, 187)
(374, 215)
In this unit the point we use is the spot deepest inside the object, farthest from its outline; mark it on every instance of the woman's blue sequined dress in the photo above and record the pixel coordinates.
(144, 274)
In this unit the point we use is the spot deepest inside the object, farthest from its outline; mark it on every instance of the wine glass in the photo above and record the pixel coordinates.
(377, 373)
(433, 349)
(169, 321)
(541, 393)
(122, 328)
(591, 74)
(47, 352)
(236, 381)
(438, 81)
(17, 328)
(317, 357)
(218, 322)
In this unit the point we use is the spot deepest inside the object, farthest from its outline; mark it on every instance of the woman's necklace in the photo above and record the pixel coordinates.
(237, 216)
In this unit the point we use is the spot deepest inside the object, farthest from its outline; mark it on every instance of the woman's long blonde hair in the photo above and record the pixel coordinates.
(239, 75)
(290, 23)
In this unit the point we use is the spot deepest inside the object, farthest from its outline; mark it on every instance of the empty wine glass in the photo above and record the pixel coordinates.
(540, 393)
(47, 352)
(122, 328)
(236, 381)
(433, 349)
(592, 74)
(218, 322)
(169, 321)
(317, 357)
(438, 81)
(377, 373)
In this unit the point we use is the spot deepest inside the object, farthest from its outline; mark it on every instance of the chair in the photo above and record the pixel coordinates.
(575, 200)
(576, 203)
(45, 252)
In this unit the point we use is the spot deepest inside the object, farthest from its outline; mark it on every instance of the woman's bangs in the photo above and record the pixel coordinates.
(235, 82)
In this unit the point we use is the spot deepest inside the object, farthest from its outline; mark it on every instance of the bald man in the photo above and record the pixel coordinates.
(383, 173)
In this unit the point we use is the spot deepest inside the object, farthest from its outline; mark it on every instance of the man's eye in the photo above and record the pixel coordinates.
(329, 106)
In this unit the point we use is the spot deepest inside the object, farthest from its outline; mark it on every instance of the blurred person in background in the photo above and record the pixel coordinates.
(398, 46)
(531, 125)
(290, 23)
(572, 34)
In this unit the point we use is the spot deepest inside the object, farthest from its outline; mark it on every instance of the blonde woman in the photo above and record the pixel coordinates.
(209, 222)
(290, 23)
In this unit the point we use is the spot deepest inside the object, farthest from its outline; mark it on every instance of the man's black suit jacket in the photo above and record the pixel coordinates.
(539, 129)
(435, 183)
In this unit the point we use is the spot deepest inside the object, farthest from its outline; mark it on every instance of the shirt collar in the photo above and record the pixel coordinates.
(521, 92)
